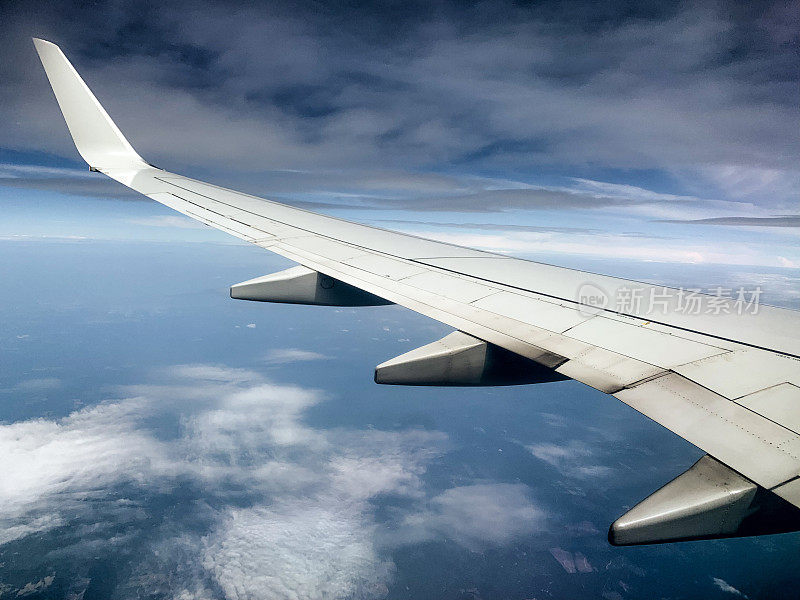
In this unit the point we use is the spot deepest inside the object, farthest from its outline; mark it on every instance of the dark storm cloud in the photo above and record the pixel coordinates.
(783, 221)
(495, 227)
(484, 201)
(99, 187)
(519, 228)
(510, 199)
(75, 181)
(419, 86)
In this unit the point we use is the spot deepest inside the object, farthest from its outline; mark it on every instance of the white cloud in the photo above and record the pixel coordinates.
(290, 508)
(649, 95)
(12, 530)
(478, 515)
(592, 471)
(293, 505)
(612, 246)
(570, 458)
(314, 548)
(218, 373)
(252, 419)
(556, 454)
(788, 262)
(14, 171)
(738, 181)
(290, 355)
(180, 222)
(90, 449)
(726, 587)
(564, 558)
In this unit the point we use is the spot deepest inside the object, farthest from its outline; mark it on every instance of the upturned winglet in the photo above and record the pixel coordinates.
(98, 140)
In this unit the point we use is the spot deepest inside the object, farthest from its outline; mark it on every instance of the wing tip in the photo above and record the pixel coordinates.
(42, 43)
(97, 138)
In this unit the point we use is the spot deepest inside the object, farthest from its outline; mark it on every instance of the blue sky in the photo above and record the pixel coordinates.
(654, 131)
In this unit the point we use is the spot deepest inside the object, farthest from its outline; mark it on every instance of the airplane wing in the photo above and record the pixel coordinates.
(721, 373)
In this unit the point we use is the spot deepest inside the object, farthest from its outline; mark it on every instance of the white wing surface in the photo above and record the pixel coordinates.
(723, 378)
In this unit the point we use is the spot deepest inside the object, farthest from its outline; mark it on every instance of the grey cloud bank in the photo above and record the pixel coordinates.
(618, 126)
(707, 90)
(784, 221)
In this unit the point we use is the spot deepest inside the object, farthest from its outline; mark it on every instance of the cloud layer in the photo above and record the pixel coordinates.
(600, 128)
(269, 506)
(704, 89)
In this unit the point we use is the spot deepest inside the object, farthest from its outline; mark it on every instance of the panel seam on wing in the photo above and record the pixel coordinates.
(729, 421)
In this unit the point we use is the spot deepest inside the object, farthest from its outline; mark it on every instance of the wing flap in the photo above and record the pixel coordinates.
(654, 347)
(743, 372)
(789, 491)
(607, 371)
(760, 449)
(780, 404)
(536, 311)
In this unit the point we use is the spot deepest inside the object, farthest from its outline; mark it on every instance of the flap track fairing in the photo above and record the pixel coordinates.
(462, 360)
(708, 501)
(301, 285)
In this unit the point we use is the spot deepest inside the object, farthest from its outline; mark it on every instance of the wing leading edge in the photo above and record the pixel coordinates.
(727, 382)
